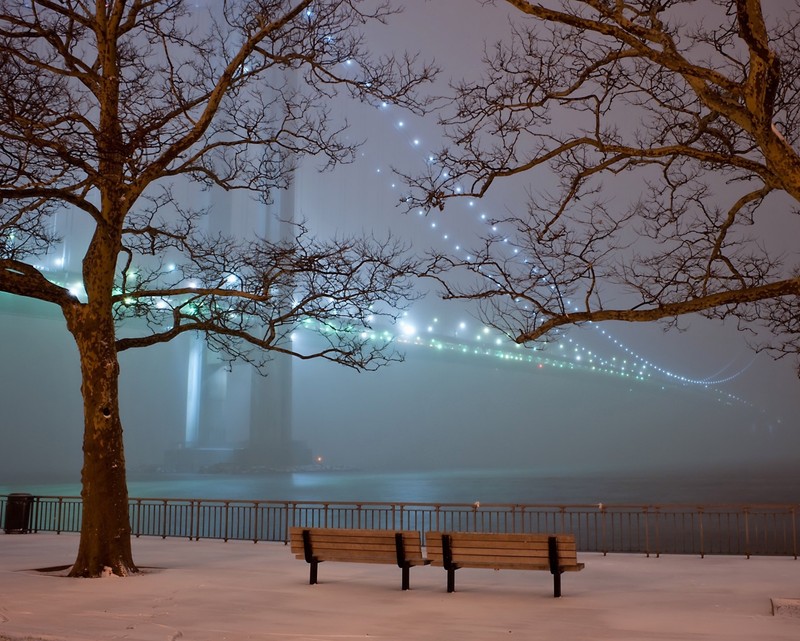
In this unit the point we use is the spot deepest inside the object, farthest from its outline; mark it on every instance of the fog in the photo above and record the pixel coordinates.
(433, 413)
(440, 409)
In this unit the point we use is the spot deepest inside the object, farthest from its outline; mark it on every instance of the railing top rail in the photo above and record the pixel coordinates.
(455, 505)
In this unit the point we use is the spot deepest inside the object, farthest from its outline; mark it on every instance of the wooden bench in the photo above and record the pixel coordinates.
(454, 550)
(316, 545)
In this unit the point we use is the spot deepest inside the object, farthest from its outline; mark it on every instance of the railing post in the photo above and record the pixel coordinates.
(603, 542)
(164, 519)
(256, 519)
(34, 516)
(195, 508)
(286, 523)
(658, 531)
(746, 511)
(646, 513)
(138, 510)
(59, 508)
(702, 534)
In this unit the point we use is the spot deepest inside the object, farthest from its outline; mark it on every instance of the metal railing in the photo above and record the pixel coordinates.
(651, 529)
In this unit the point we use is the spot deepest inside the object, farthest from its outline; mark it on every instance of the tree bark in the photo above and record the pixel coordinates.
(105, 525)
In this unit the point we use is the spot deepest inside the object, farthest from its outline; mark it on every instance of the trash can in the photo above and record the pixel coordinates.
(18, 513)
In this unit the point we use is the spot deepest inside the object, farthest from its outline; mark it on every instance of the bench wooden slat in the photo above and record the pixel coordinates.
(488, 557)
(564, 547)
(501, 555)
(540, 546)
(323, 534)
(355, 555)
(341, 532)
(355, 558)
(321, 546)
(503, 536)
(491, 565)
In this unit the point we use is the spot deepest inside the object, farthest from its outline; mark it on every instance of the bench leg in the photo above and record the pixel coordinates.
(552, 554)
(557, 584)
(451, 580)
(406, 578)
(312, 576)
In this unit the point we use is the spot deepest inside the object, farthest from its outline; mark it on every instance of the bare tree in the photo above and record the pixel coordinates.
(103, 105)
(668, 130)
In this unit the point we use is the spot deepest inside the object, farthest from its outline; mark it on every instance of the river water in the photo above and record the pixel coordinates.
(753, 486)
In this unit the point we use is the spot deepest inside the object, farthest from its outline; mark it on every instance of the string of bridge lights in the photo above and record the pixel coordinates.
(566, 353)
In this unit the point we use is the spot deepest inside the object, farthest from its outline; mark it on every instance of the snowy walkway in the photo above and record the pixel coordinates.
(215, 591)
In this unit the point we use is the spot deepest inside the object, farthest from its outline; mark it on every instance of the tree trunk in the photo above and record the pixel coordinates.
(105, 527)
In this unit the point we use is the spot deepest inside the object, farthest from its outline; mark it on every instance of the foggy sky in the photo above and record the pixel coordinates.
(431, 410)
(688, 426)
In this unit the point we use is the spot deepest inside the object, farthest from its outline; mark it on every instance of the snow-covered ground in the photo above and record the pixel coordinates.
(215, 591)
